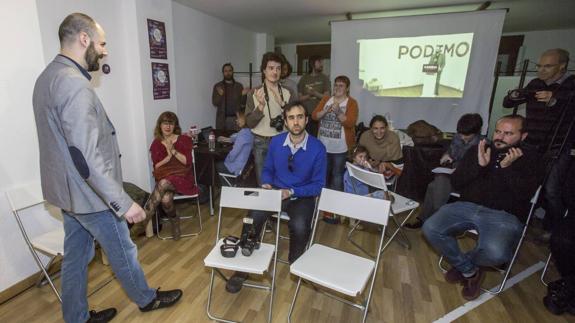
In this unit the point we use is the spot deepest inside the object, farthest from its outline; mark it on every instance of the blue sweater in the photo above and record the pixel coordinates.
(309, 167)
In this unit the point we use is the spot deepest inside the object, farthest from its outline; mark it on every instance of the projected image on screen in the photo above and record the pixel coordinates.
(425, 66)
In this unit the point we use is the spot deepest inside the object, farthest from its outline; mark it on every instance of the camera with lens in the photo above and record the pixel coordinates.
(521, 94)
(277, 123)
(248, 239)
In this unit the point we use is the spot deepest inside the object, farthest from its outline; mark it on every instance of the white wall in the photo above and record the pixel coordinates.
(202, 45)
(126, 94)
(536, 42)
(19, 67)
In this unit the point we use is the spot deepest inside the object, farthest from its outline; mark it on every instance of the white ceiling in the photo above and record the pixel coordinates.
(295, 21)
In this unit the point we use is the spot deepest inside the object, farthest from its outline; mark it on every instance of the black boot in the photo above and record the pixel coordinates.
(560, 298)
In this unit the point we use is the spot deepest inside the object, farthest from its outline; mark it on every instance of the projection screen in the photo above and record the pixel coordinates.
(431, 67)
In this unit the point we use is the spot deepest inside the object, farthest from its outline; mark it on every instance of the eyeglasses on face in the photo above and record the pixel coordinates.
(168, 123)
(546, 66)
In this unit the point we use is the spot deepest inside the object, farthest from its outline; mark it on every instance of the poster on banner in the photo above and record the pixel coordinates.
(157, 39)
(161, 80)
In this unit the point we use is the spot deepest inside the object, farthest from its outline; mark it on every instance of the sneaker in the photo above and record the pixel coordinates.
(417, 224)
(102, 316)
(472, 285)
(163, 299)
(453, 276)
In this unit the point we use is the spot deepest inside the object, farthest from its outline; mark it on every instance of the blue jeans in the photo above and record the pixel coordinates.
(498, 231)
(260, 151)
(335, 170)
(113, 235)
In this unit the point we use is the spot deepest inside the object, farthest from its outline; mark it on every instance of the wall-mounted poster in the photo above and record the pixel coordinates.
(157, 38)
(161, 79)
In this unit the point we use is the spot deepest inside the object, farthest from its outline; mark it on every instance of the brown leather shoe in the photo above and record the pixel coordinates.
(472, 285)
(453, 276)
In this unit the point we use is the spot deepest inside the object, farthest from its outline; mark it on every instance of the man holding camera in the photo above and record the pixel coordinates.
(550, 110)
(264, 109)
(546, 97)
(496, 184)
(296, 165)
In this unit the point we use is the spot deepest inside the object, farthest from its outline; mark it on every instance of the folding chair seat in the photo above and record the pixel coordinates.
(334, 269)
(260, 260)
(400, 204)
(507, 270)
(179, 199)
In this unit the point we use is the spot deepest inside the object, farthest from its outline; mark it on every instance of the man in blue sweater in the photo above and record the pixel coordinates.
(296, 165)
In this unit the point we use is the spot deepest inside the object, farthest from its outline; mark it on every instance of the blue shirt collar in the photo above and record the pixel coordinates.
(82, 70)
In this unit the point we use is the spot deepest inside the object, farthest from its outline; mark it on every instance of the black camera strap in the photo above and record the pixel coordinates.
(267, 98)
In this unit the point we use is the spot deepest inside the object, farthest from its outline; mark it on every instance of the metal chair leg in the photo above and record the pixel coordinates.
(294, 299)
(544, 272)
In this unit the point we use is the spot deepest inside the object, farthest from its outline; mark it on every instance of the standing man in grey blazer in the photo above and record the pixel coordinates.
(81, 174)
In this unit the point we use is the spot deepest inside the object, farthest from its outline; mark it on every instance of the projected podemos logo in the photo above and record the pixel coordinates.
(425, 66)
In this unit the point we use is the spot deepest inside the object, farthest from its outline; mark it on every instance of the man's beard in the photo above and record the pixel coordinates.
(504, 148)
(228, 78)
(296, 133)
(92, 58)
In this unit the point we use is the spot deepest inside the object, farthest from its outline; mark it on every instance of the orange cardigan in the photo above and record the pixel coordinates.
(350, 121)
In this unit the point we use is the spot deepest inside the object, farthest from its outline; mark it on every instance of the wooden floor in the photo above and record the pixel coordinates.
(409, 287)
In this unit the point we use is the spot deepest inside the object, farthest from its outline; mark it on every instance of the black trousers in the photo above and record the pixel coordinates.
(300, 211)
(563, 247)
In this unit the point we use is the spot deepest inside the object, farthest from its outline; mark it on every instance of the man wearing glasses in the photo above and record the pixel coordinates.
(550, 109)
(546, 97)
(296, 165)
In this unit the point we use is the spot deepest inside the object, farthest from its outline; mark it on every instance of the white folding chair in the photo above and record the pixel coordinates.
(50, 243)
(505, 272)
(334, 269)
(400, 204)
(259, 262)
(179, 198)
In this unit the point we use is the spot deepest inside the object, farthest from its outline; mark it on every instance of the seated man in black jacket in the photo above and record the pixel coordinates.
(496, 185)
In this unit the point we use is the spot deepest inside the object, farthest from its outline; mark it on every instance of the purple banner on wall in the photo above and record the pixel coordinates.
(157, 38)
(161, 79)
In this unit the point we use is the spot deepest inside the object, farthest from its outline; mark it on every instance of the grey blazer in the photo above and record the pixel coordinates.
(79, 154)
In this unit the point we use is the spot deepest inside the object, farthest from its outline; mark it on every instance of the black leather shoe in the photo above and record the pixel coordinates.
(102, 316)
(163, 299)
(417, 224)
